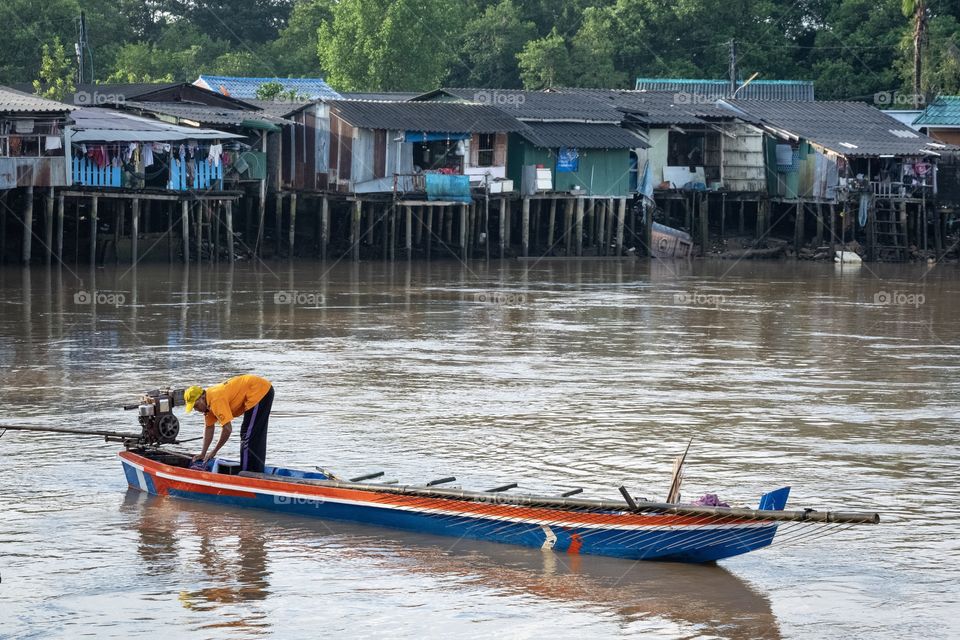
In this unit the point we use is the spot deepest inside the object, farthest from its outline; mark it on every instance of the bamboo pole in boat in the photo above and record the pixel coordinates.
(566, 503)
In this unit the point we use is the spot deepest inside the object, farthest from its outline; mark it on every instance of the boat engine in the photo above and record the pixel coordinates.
(155, 413)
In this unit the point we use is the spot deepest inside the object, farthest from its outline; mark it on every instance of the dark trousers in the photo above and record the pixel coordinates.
(253, 435)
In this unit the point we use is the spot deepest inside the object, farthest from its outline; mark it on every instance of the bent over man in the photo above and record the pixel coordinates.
(247, 395)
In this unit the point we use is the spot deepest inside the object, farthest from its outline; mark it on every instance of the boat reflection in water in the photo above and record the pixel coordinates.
(234, 557)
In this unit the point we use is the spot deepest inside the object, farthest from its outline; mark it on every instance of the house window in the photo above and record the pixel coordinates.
(440, 155)
(486, 143)
(685, 150)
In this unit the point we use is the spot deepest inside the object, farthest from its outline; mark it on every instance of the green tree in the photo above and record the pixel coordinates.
(294, 52)
(275, 91)
(594, 50)
(491, 42)
(56, 72)
(856, 52)
(389, 45)
(545, 62)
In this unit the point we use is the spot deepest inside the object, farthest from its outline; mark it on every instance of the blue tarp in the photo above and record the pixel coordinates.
(441, 186)
(430, 136)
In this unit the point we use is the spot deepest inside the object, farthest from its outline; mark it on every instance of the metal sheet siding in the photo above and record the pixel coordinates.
(743, 159)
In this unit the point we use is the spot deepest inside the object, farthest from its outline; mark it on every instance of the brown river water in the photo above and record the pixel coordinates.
(843, 384)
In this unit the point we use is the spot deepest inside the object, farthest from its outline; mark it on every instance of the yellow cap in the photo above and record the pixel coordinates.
(191, 395)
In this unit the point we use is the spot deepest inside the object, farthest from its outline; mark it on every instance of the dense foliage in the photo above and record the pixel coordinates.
(851, 48)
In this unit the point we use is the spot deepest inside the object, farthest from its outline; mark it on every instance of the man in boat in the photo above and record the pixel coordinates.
(247, 395)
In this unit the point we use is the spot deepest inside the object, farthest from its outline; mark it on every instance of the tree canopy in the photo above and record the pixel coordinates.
(852, 49)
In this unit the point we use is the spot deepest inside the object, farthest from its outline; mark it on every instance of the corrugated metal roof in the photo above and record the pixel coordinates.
(592, 105)
(558, 105)
(442, 117)
(279, 108)
(848, 128)
(14, 101)
(792, 90)
(386, 96)
(246, 88)
(944, 112)
(110, 125)
(203, 113)
(582, 135)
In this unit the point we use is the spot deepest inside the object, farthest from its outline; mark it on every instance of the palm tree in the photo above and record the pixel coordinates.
(917, 11)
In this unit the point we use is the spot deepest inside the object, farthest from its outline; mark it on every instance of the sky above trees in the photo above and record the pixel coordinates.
(852, 49)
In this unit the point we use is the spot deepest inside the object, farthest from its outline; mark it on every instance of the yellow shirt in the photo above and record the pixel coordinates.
(233, 398)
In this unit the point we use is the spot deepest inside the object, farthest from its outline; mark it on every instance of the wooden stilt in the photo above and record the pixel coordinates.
(60, 214)
(601, 227)
(833, 230)
(704, 210)
(213, 209)
(185, 229)
(648, 227)
(292, 230)
(27, 240)
(621, 217)
(421, 223)
(820, 225)
(551, 224)
(355, 230)
(798, 227)
(94, 206)
(135, 231)
(48, 226)
(611, 217)
(723, 216)
(508, 214)
(578, 225)
(324, 227)
(741, 223)
(588, 223)
(429, 230)
(261, 218)
(486, 226)
(462, 241)
(408, 230)
(200, 210)
(228, 214)
(278, 224)
(3, 226)
(503, 228)
(525, 226)
(688, 213)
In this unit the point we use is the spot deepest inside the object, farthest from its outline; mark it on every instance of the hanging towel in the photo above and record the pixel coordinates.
(216, 151)
(147, 155)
